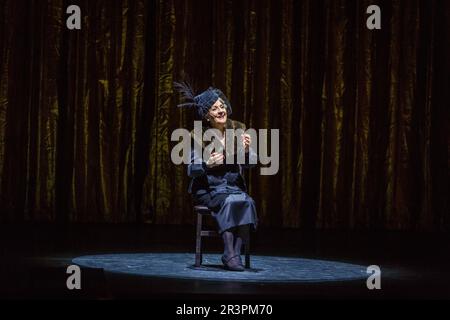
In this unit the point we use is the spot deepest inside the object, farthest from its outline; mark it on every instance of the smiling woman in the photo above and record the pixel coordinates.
(215, 183)
(218, 112)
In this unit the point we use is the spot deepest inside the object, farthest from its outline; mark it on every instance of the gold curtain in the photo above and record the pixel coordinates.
(86, 115)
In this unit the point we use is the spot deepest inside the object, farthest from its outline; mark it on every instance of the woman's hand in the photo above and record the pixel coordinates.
(246, 140)
(215, 159)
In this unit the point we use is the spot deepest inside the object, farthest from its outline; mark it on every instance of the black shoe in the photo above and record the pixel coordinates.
(233, 264)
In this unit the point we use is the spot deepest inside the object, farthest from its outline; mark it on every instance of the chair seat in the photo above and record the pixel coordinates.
(209, 233)
(202, 209)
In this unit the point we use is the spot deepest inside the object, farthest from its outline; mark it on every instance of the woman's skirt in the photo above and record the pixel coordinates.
(230, 209)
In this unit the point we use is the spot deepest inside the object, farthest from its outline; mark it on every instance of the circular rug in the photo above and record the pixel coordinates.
(264, 268)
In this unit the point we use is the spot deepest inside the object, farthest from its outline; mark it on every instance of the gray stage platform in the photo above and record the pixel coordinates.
(264, 268)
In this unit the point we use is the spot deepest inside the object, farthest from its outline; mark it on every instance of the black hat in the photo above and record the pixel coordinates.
(203, 101)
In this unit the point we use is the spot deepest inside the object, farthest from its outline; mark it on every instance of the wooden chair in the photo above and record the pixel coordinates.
(201, 211)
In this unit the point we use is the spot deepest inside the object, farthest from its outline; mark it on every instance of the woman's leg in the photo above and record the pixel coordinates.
(241, 236)
(228, 239)
(230, 259)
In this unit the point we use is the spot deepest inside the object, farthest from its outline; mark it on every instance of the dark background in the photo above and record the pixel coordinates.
(86, 116)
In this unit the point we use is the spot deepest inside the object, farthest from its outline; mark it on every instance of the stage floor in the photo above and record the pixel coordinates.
(115, 265)
(273, 269)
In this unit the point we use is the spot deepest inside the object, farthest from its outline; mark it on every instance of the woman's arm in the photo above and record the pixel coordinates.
(197, 166)
(251, 157)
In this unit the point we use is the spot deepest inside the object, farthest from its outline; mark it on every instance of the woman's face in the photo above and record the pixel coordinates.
(217, 114)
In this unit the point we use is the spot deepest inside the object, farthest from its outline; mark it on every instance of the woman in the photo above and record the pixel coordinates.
(218, 185)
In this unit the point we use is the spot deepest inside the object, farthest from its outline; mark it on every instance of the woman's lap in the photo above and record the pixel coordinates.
(230, 210)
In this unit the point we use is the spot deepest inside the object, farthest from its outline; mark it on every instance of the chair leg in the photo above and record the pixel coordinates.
(198, 242)
(247, 253)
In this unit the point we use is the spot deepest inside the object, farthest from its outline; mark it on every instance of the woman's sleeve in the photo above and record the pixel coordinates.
(197, 166)
(251, 159)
